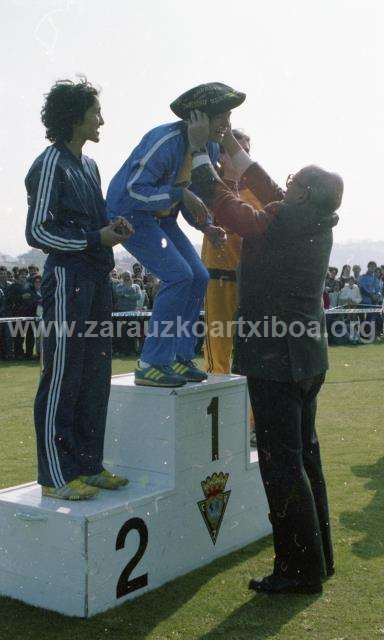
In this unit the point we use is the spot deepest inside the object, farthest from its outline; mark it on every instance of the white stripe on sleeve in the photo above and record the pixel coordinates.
(156, 197)
(42, 204)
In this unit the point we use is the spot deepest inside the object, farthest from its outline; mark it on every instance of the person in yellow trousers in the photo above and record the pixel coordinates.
(222, 263)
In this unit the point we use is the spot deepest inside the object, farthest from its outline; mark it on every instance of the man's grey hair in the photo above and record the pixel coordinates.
(325, 188)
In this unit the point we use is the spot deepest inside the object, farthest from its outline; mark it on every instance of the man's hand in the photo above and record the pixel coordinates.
(228, 170)
(230, 144)
(198, 130)
(195, 206)
(272, 208)
(215, 235)
(116, 232)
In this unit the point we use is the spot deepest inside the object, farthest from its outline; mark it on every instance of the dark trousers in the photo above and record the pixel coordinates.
(290, 466)
(6, 348)
(18, 342)
(30, 340)
(25, 335)
(376, 319)
(71, 402)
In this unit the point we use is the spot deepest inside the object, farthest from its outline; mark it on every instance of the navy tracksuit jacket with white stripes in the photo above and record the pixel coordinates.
(65, 211)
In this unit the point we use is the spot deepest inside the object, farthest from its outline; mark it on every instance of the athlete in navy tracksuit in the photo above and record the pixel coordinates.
(67, 220)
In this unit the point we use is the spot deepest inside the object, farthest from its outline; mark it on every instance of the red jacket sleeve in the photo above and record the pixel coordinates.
(229, 210)
(262, 186)
(238, 216)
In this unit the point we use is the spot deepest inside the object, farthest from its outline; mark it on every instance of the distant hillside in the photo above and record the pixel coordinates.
(342, 253)
(358, 253)
(33, 256)
(7, 260)
(351, 253)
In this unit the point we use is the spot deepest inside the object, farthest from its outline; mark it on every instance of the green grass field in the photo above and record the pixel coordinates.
(213, 602)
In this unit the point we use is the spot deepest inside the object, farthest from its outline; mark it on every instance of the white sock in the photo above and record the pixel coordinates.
(144, 364)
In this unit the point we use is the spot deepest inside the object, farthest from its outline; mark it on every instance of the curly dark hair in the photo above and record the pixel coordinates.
(65, 105)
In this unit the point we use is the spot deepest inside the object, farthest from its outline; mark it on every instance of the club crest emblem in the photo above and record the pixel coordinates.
(216, 499)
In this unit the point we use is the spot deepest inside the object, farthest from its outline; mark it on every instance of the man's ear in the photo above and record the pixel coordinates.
(304, 196)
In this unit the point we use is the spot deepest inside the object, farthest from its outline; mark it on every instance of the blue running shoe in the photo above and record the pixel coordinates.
(188, 370)
(158, 376)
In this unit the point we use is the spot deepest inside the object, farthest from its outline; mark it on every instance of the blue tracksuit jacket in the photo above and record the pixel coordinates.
(145, 182)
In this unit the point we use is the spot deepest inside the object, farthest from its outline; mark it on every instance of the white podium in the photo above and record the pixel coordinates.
(194, 495)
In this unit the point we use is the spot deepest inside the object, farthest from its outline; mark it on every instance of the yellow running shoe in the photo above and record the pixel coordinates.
(74, 490)
(105, 480)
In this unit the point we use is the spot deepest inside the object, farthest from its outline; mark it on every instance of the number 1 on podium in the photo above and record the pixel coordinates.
(213, 410)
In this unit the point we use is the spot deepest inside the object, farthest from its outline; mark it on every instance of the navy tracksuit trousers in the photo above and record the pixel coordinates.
(71, 402)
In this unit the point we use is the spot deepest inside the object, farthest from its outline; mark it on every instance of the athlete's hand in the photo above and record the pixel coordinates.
(122, 226)
(198, 129)
(215, 235)
(113, 234)
(195, 206)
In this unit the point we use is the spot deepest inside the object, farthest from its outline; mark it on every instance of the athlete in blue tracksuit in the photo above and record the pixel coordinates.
(148, 191)
(67, 220)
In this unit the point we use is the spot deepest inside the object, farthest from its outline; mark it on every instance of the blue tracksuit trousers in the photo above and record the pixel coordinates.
(163, 249)
(71, 402)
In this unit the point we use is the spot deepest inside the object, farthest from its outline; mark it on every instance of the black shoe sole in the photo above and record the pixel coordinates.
(142, 383)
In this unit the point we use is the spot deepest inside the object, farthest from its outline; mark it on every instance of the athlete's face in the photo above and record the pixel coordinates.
(218, 126)
(93, 120)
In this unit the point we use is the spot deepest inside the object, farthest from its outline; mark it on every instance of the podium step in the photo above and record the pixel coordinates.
(194, 495)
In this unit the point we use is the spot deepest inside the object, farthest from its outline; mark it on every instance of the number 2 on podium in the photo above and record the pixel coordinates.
(125, 585)
(213, 410)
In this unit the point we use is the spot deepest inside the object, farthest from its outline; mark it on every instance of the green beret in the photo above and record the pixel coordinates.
(211, 98)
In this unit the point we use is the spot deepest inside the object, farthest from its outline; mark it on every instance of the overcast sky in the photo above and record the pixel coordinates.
(312, 71)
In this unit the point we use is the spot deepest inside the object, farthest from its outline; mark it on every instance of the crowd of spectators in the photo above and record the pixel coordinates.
(134, 291)
(20, 296)
(354, 290)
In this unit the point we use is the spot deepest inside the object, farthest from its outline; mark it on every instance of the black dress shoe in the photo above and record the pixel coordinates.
(274, 584)
(330, 571)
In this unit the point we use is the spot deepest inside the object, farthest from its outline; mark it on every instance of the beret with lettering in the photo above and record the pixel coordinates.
(211, 98)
